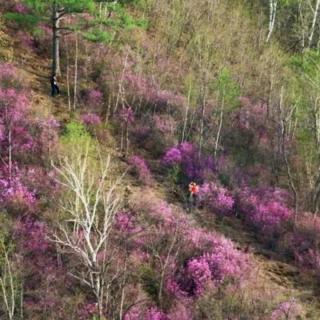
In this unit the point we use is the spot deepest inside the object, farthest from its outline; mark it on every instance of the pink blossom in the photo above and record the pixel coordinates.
(126, 115)
(125, 222)
(91, 119)
(142, 169)
(288, 310)
(194, 165)
(93, 97)
(164, 124)
(20, 8)
(265, 208)
(173, 156)
(216, 198)
(13, 191)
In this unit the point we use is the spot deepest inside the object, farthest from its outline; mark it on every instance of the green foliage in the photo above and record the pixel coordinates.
(118, 18)
(41, 6)
(75, 132)
(149, 281)
(97, 35)
(227, 89)
(75, 135)
(176, 174)
(28, 21)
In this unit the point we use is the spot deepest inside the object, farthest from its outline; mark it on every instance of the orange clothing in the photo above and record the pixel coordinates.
(193, 188)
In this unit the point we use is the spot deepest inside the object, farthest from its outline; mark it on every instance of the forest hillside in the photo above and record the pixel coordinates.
(160, 160)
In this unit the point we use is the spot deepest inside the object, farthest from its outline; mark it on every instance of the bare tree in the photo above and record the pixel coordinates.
(90, 208)
(314, 21)
(11, 289)
(272, 17)
(285, 117)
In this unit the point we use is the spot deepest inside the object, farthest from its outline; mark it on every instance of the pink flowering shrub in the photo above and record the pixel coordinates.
(173, 156)
(93, 98)
(152, 313)
(193, 165)
(42, 274)
(141, 167)
(49, 133)
(16, 130)
(91, 119)
(178, 312)
(25, 39)
(14, 194)
(150, 91)
(8, 76)
(158, 211)
(20, 8)
(302, 243)
(216, 198)
(209, 270)
(32, 235)
(288, 310)
(125, 222)
(87, 311)
(126, 115)
(265, 209)
(165, 124)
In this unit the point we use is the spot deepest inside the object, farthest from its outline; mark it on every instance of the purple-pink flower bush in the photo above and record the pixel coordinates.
(9, 77)
(216, 198)
(126, 115)
(91, 119)
(126, 222)
(88, 311)
(151, 313)
(209, 270)
(165, 124)
(20, 8)
(150, 92)
(141, 167)
(288, 310)
(265, 209)
(14, 194)
(93, 98)
(186, 155)
(206, 260)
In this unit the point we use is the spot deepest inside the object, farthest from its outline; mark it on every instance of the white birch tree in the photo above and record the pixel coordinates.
(89, 211)
(272, 17)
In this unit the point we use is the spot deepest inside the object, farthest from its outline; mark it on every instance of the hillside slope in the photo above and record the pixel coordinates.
(166, 259)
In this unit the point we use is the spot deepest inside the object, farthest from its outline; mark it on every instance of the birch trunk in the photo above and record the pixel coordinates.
(220, 127)
(75, 75)
(315, 17)
(55, 40)
(272, 17)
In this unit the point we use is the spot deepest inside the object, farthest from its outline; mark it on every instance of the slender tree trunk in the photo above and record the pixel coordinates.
(220, 127)
(203, 111)
(68, 77)
(315, 16)
(10, 151)
(186, 116)
(75, 75)
(283, 123)
(316, 186)
(272, 17)
(55, 40)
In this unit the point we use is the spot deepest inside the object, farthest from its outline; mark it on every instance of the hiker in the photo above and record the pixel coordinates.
(54, 85)
(194, 190)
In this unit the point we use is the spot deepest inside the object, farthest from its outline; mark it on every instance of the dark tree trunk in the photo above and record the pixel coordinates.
(55, 40)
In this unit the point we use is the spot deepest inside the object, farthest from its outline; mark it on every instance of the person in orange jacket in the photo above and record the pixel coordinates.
(194, 190)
